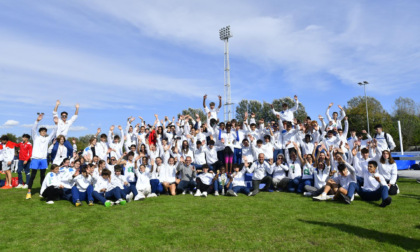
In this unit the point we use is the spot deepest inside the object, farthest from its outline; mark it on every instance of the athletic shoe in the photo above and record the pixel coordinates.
(346, 198)
(122, 202)
(386, 202)
(117, 202)
(108, 203)
(253, 193)
(191, 192)
(250, 194)
(130, 197)
(25, 186)
(230, 193)
(19, 186)
(152, 195)
(91, 203)
(50, 202)
(234, 194)
(78, 203)
(216, 193)
(184, 192)
(41, 196)
(197, 193)
(6, 187)
(321, 197)
(28, 196)
(307, 194)
(139, 196)
(204, 194)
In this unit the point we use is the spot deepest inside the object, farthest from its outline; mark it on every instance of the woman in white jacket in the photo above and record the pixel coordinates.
(388, 169)
(51, 188)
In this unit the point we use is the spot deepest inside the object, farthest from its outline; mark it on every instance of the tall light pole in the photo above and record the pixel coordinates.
(224, 34)
(367, 113)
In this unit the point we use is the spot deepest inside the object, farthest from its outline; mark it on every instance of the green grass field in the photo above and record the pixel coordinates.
(268, 221)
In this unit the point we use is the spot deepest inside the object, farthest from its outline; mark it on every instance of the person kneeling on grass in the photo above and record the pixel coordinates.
(51, 188)
(83, 188)
(374, 188)
(143, 182)
(237, 181)
(205, 182)
(340, 184)
(104, 190)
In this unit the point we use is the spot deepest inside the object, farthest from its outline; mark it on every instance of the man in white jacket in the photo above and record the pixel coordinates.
(39, 151)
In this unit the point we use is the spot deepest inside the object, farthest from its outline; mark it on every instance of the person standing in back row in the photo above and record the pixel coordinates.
(64, 125)
(213, 111)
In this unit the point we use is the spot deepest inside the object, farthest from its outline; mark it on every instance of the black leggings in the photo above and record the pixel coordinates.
(33, 175)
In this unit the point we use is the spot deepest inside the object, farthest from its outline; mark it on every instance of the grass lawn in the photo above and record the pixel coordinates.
(268, 221)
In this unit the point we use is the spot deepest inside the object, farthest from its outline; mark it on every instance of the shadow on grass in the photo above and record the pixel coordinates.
(393, 239)
(414, 196)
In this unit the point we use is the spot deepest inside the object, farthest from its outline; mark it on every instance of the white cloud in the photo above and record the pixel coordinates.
(78, 128)
(348, 42)
(11, 123)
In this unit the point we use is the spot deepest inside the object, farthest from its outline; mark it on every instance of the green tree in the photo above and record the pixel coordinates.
(264, 111)
(192, 112)
(405, 111)
(356, 112)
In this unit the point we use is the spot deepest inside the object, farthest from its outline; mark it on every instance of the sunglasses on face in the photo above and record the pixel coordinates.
(63, 116)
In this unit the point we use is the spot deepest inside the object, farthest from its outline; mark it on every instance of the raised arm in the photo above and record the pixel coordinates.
(327, 113)
(77, 109)
(204, 100)
(220, 101)
(57, 103)
(302, 161)
(295, 108)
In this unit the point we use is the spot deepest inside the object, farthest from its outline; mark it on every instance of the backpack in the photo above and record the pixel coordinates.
(386, 139)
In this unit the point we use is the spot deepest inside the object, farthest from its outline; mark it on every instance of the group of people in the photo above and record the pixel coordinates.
(191, 156)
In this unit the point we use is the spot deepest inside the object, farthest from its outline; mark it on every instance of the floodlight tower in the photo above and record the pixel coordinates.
(367, 113)
(225, 35)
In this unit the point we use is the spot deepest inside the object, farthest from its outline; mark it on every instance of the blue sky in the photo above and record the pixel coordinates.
(122, 58)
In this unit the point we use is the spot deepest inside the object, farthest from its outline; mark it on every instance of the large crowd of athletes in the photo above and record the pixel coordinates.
(318, 159)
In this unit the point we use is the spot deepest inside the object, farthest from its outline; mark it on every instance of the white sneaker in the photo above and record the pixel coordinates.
(41, 196)
(139, 196)
(307, 194)
(234, 194)
(50, 202)
(19, 186)
(321, 197)
(191, 192)
(152, 195)
(216, 193)
(330, 197)
(25, 186)
(204, 194)
(184, 192)
(129, 197)
(117, 202)
(197, 193)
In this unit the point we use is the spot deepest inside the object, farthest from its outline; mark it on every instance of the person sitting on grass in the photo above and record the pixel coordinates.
(307, 169)
(52, 188)
(220, 184)
(120, 181)
(188, 175)
(237, 181)
(339, 185)
(67, 174)
(83, 188)
(205, 182)
(321, 175)
(374, 188)
(129, 175)
(105, 190)
(295, 171)
(280, 180)
(262, 171)
(388, 169)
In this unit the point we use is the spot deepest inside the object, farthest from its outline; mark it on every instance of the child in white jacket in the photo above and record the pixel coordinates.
(51, 188)
(143, 182)
(83, 188)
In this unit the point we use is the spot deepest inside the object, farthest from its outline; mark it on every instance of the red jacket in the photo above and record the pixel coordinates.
(25, 152)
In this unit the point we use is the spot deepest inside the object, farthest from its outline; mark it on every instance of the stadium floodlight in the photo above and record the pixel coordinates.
(364, 83)
(224, 35)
